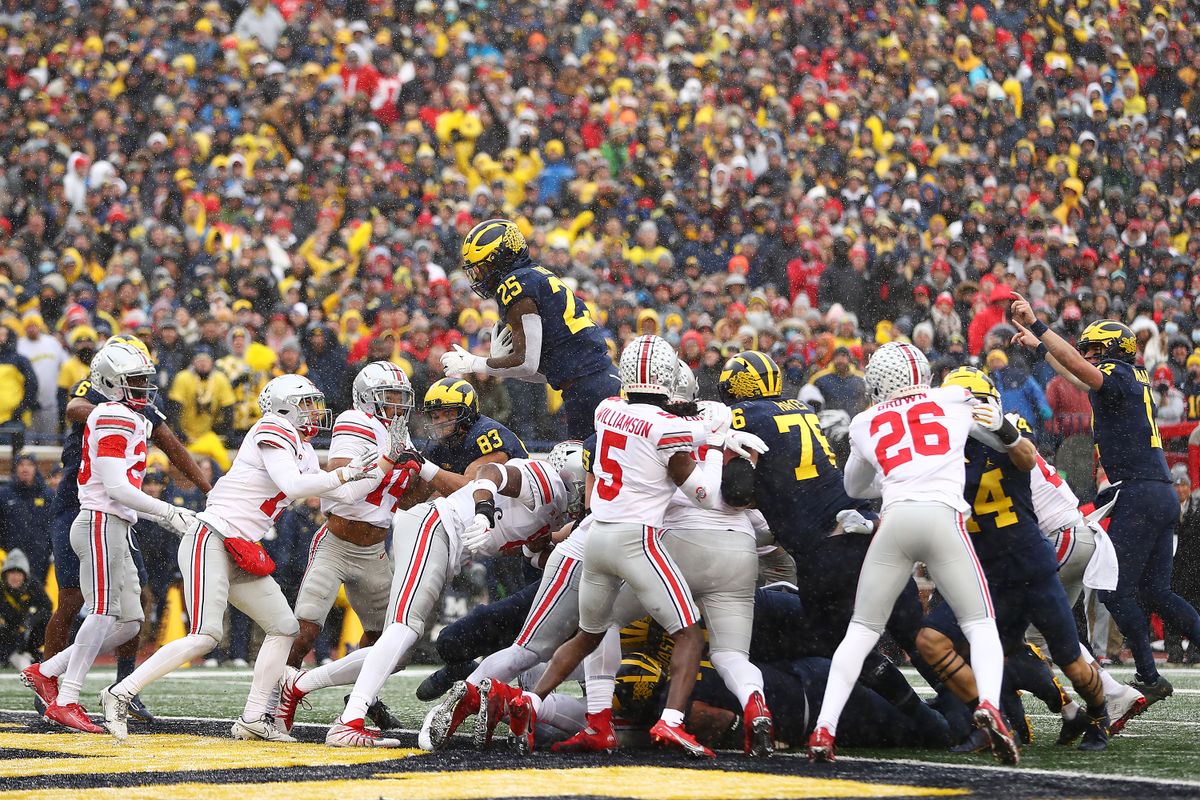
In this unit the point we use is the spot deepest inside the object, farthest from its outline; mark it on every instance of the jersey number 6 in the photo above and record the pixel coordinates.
(929, 437)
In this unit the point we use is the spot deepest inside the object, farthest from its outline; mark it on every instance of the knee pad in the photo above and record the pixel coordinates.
(202, 643)
(125, 630)
(284, 627)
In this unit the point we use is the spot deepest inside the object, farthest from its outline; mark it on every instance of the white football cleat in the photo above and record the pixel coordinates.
(262, 729)
(116, 713)
(355, 734)
(1124, 706)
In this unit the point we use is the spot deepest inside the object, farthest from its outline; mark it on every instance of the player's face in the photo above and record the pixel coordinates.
(139, 391)
(443, 421)
(1092, 353)
(314, 414)
(393, 405)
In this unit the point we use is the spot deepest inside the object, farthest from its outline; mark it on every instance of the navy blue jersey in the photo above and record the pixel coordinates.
(797, 484)
(1003, 524)
(572, 345)
(457, 452)
(1123, 425)
(589, 449)
(66, 499)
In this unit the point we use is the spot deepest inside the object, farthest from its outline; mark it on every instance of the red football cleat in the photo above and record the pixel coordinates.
(677, 736)
(494, 698)
(1004, 746)
(443, 720)
(820, 746)
(759, 727)
(290, 696)
(45, 687)
(72, 716)
(522, 719)
(597, 737)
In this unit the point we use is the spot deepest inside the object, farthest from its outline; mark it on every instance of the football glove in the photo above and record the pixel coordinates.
(460, 362)
(179, 520)
(743, 443)
(987, 415)
(502, 340)
(717, 418)
(363, 467)
(477, 538)
(854, 522)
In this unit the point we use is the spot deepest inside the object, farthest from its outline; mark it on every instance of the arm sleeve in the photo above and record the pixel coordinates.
(281, 465)
(526, 370)
(116, 483)
(860, 477)
(703, 486)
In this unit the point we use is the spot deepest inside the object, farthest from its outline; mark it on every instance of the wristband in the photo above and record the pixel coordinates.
(486, 508)
(1042, 351)
(429, 471)
(1008, 433)
(1038, 328)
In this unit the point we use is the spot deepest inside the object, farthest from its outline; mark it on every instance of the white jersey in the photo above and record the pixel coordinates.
(516, 524)
(682, 514)
(915, 444)
(354, 433)
(112, 431)
(245, 502)
(1056, 505)
(574, 545)
(634, 442)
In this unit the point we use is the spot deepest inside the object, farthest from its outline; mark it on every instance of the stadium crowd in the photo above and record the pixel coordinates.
(283, 187)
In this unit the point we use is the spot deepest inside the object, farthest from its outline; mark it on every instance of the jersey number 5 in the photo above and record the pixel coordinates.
(929, 437)
(607, 470)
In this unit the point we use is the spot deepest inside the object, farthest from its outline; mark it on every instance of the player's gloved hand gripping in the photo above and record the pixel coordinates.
(179, 520)
(477, 537)
(458, 361)
(363, 467)
(854, 522)
(502, 341)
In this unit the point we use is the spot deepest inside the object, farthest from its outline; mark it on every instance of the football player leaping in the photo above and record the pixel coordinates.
(110, 500)
(549, 335)
(222, 561)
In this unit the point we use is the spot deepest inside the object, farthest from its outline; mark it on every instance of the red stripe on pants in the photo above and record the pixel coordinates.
(675, 589)
(418, 565)
(198, 580)
(556, 588)
(99, 564)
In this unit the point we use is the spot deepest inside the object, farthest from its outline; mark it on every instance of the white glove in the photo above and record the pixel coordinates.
(460, 362)
(477, 537)
(717, 418)
(179, 520)
(502, 340)
(743, 443)
(397, 441)
(363, 467)
(854, 522)
(987, 415)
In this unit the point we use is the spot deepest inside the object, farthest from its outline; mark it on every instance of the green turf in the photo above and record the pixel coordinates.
(1163, 743)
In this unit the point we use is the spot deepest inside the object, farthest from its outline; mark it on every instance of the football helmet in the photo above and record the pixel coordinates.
(452, 393)
(130, 339)
(976, 381)
(567, 459)
(649, 366)
(687, 388)
(489, 252)
(1106, 339)
(124, 374)
(382, 390)
(748, 375)
(299, 401)
(896, 368)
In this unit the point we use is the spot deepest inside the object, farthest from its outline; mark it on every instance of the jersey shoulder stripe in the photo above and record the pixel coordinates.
(116, 422)
(542, 480)
(351, 429)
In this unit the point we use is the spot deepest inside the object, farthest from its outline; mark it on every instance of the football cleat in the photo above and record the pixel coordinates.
(44, 686)
(759, 727)
(72, 716)
(440, 681)
(522, 719)
(1072, 728)
(1095, 737)
(138, 710)
(820, 746)
(1161, 689)
(443, 719)
(355, 734)
(494, 697)
(1123, 707)
(1004, 746)
(290, 697)
(380, 715)
(677, 736)
(262, 729)
(597, 737)
(976, 742)
(116, 712)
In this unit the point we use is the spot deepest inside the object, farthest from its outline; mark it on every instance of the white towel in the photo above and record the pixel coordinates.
(1102, 570)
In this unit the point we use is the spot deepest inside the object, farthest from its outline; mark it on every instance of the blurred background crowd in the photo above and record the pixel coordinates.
(282, 186)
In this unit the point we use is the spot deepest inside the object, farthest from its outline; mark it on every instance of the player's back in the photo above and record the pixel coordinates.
(916, 444)
(245, 502)
(354, 433)
(634, 443)
(572, 345)
(1123, 424)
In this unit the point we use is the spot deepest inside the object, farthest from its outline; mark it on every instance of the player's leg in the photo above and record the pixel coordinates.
(317, 593)
(368, 588)
(70, 596)
(1133, 531)
(261, 599)
(1155, 586)
(581, 398)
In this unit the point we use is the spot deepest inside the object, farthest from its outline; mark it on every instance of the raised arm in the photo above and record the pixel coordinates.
(1065, 359)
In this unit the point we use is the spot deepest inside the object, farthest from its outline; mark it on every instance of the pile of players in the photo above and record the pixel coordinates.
(653, 532)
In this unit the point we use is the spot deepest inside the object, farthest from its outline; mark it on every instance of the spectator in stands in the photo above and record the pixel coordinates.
(18, 390)
(200, 406)
(46, 355)
(1170, 406)
(842, 384)
(25, 516)
(83, 341)
(1019, 392)
(24, 611)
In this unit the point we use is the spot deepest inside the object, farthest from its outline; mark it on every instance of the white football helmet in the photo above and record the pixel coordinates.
(649, 366)
(299, 401)
(124, 374)
(896, 368)
(687, 388)
(567, 459)
(382, 390)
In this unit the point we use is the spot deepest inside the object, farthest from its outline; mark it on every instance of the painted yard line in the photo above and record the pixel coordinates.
(201, 673)
(1010, 770)
(315, 725)
(1153, 721)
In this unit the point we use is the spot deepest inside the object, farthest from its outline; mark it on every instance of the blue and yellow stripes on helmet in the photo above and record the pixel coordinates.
(451, 392)
(973, 380)
(486, 238)
(1117, 339)
(752, 373)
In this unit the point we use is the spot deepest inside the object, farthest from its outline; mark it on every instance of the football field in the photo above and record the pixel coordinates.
(189, 754)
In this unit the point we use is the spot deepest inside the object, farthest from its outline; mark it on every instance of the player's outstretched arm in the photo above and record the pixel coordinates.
(521, 361)
(178, 455)
(859, 477)
(1065, 359)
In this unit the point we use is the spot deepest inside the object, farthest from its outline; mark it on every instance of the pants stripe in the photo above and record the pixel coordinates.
(202, 535)
(561, 579)
(1066, 543)
(312, 548)
(417, 567)
(672, 581)
(100, 574)
(983, 587)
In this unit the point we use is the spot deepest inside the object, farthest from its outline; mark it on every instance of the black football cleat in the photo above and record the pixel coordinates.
(138, 710)
(1072, 728)
(1095, 737)
(1161, 689)
(440, 681)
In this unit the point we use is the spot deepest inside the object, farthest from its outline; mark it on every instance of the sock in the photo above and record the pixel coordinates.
(882, 677)
(125, 666)
(600, 672)
(268, 669)
(672, 717)
(377, 666)
(564, 712)
(88, 642)
(1070, 710)
(121, 633)
(56, 664)
(1111, 686)
(343, 672)
(740, 676)
(168, 658)
(504, 665)
(987, 658)
(843, 673)
(534, 701)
